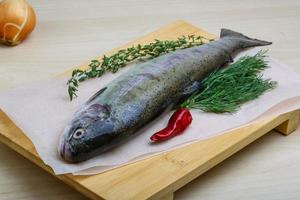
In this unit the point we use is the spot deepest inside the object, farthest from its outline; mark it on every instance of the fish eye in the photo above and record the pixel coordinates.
(78, 133)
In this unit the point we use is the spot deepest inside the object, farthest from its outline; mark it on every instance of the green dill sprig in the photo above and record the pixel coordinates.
(226, 89)
(120, 59)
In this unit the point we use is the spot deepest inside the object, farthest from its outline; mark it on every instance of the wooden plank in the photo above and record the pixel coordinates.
(160, 175)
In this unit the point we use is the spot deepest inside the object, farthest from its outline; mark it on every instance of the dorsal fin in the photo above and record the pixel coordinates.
(96, 94)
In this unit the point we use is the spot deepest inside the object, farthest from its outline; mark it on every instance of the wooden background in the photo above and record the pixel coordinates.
(72, 32)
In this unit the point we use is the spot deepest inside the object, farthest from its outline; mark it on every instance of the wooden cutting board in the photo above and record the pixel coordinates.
(160, 176)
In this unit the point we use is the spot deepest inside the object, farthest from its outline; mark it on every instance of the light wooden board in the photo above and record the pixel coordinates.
(160, 175)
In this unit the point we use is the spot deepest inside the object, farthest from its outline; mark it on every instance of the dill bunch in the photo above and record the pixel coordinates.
(226, 89)
(120, 59)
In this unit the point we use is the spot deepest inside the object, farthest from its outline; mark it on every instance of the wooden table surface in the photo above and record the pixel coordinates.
(71, 32)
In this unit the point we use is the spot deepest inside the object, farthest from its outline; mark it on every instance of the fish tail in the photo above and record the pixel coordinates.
(244, 40)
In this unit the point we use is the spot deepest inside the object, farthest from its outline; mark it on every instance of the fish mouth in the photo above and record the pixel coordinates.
(65, 150)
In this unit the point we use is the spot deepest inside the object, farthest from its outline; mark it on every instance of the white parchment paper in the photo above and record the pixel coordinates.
(43, 109)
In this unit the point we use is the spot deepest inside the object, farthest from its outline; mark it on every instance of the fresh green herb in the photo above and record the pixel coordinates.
(123, 57)
(226, 89)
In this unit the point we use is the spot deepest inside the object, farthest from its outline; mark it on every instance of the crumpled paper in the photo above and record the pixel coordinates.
(43, 109)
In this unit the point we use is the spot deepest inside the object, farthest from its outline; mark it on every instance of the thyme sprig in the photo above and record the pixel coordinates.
(120, 59)
(226, 89)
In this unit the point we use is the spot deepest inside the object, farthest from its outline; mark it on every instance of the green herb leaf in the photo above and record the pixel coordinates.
(226, 89)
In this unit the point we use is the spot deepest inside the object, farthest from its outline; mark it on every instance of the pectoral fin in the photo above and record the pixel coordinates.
(96, 94)
(188, 91)
(197, 85)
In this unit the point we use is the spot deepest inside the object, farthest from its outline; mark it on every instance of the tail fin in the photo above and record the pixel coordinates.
(245, 41)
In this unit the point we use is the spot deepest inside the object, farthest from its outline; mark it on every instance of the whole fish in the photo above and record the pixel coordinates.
(117, 111)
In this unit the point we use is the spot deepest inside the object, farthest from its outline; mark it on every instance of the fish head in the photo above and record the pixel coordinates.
(89, 131)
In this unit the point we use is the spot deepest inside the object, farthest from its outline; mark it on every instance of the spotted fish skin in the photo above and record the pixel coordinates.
(116, 112)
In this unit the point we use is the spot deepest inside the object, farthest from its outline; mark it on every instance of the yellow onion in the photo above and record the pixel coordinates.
(17, 20)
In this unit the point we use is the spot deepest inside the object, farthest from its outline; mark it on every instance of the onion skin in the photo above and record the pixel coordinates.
(17, 20)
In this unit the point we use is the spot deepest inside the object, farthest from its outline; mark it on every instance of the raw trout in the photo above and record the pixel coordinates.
(117, 111)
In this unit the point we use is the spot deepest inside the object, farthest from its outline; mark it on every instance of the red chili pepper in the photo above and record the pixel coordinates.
(178, 122)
